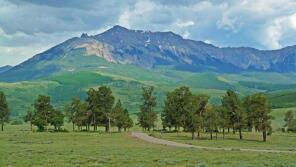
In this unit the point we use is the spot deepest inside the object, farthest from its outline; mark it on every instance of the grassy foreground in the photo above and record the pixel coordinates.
(20, 147)
(251, 140)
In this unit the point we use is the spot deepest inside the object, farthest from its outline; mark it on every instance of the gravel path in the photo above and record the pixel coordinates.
(145, 137)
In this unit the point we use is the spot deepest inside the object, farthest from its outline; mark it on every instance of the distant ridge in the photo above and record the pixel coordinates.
(147, 49)
(5, 68)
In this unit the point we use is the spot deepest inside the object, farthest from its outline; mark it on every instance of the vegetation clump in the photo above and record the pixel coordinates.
(4, 110)
(193, 113)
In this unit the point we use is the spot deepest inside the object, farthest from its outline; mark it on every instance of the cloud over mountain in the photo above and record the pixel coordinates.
(28, 26)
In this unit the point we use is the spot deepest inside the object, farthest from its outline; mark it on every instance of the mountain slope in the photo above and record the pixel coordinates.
(148, 50)
(5, 68)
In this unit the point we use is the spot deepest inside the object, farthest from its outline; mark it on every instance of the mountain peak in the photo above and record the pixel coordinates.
(149, 49)
(84, 35)
(118, 28)
(5, 68)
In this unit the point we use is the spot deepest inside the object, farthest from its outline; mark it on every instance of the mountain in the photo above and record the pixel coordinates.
(5, 68)
(149, 50)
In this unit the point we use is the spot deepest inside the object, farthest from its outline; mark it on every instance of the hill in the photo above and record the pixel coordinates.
(127, 59)
(5, 68)
(148, 50)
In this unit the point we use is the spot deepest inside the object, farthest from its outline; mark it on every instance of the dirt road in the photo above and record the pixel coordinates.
(145, 137)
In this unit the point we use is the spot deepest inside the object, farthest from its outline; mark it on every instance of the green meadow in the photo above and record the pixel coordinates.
(21, 147)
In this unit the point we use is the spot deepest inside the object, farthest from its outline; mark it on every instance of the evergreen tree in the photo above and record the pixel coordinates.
(176, 103)
(43, 109)
(105, 103)
(212, 121)
(147, 116)
(77, 113)
(119, 115)
(93, 108)
(100, 104)
(82, 117)
(247, 102)
(262, 117)
(4, 111)
(202, 108)
(57, 119)
(223, 121)
(128, 123)
(192, 116)
(167, 114)
(236, 115)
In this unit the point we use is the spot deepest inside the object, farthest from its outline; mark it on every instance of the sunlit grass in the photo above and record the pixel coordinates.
(20, 147)
(277, 141)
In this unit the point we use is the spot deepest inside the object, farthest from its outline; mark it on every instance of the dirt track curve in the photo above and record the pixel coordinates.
(145, 137)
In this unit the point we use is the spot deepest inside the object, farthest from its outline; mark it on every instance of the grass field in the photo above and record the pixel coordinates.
(277, 141)
(278, 115)
(20, 147)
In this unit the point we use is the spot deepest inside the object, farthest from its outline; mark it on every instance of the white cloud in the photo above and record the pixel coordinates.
(184, 24)
(277, 29)
(13, 55)
(272, 37)
(293, 21)
(139, 9)
(186, 34)
(26, 26)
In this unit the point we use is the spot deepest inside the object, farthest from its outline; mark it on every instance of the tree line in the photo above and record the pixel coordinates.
(97, 110)
(194, 114)
(182, 110)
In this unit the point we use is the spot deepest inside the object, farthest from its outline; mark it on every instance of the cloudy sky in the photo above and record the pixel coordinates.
(28, 27)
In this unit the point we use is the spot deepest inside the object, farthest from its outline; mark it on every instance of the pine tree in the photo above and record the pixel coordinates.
(174, 111)
(4, 111)
(105, 104)
(43, 109)
(236, 115)
(247, 102)
(147, 116)
(202, 108)
(212, 121)
(192, 115)
(71, 111)
(223, 121)
(262, 118)
(128, 123)
(119, 116)
(57, 119)
(93, 108)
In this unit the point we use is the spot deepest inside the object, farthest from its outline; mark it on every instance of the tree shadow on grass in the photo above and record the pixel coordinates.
(207, 138)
